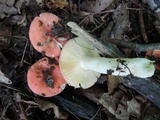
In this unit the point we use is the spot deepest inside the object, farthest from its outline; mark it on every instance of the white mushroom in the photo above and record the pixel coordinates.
(81, 65)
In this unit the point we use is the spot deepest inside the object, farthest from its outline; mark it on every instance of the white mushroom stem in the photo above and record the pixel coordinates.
(139, 67)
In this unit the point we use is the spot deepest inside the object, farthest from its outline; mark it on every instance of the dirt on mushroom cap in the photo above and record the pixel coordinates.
(45, 79)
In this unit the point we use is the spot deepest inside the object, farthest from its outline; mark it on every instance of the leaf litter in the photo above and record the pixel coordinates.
(122, 25)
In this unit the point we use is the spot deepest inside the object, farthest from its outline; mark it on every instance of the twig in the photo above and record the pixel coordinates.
(92, 14)
(70, 6)
(138, 36)
(4, 111)
(22, 37)
(142, 27)
(22, 114)
(79, 5)
(96, 113)
(134, 46)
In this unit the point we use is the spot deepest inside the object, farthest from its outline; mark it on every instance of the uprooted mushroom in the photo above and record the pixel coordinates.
(81, 65)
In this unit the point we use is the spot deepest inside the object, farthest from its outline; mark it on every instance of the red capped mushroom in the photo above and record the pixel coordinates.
(154, 55)
(46, 34)
(44, 77)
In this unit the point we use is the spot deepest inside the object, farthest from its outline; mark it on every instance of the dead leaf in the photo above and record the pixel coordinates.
(4, 79)
(44, 105)
(111, 101)
(11, 7)
(108, 102)
(113, 82)
(93, 93)
(121, 112)
(127, 108)
(133, 108)
(53, 4)
(121, 19)
(94, 7)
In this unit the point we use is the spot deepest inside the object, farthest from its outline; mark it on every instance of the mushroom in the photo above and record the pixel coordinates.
(81, 65)
(44, 77)
(46, 35)
(154, 55)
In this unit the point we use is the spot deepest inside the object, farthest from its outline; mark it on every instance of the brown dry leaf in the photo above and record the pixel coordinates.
(53, 4)
(111, 101)
(113, 82)
(126, 108)
(108, 102)
(44, 105)
(94, 7)
(127, 52)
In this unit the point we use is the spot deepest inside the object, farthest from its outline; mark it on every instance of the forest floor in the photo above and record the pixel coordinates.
(126, 29)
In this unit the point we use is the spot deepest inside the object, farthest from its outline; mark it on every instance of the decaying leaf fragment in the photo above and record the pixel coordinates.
(11, 7)
(94, 7)
(110, 102)
(121, 111)
(133, 107)
(120, 105)
(53, 4)
(121, 21)
(4, 79)
(44, 105)
(113, 82)
(126, 108)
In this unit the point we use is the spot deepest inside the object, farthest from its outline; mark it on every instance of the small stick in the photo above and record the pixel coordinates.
(142, 27)
(133, 46)
(4, 111)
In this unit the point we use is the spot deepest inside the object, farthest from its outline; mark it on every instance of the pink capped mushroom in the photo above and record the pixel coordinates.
(46, 34)
(44, 77)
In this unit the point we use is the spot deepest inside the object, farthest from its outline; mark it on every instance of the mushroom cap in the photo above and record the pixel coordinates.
(153, 55)
(45, 79)
(69, 62)
(41, 35)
